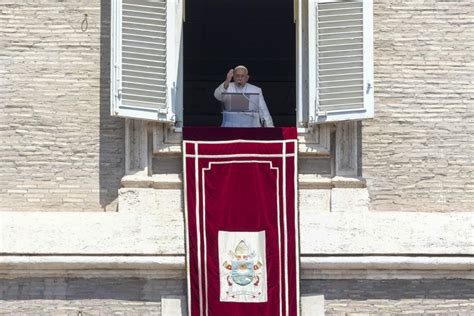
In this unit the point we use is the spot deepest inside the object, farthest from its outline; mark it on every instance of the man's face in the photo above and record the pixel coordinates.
(241, 77)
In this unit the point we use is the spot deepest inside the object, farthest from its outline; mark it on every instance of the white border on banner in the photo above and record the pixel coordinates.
(297, 231)
(285, 228)
(283, 156)
(242, 141)
(242, 156)
(196, 176)
(188, 271)
(278, 212)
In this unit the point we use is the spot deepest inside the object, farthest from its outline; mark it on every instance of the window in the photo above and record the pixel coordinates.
(332, 74)
(219, 35)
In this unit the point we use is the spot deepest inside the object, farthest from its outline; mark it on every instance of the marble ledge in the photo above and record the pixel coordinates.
(305, 181)
(173, 267)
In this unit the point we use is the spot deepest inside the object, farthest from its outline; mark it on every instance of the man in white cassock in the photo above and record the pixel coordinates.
(258, 115)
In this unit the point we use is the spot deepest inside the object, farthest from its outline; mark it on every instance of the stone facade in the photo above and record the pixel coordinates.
(393, 297)
(74, 296)
(62, 153)
(60, 148)
(137, 296)
(418, 151)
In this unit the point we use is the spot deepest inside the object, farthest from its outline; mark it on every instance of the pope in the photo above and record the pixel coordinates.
(258, 116)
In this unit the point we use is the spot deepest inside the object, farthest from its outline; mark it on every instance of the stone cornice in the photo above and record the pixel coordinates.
(174, 181)
(173, 267)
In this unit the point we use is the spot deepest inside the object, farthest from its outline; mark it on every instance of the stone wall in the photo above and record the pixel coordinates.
(418, 151)
(137, 296)
(60, 149)
(74, 296)
(393, 297)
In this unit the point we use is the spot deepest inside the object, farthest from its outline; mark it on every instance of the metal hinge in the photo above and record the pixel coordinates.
(369, 86)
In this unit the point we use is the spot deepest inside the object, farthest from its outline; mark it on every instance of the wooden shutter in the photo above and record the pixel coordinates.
(340, 49)
(144, 78)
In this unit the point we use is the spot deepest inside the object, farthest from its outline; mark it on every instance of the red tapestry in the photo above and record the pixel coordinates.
(242, 226)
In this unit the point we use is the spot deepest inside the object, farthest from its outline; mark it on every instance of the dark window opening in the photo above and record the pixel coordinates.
(221, 34)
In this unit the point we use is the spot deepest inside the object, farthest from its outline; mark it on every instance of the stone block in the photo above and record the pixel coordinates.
(314, 200)
(150, 200)
(173, 306)
(354, 200)
(312, 305)
(136, 200)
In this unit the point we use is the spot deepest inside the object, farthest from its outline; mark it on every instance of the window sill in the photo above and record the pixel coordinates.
(311, 142)
(317, 182)
(175, 181)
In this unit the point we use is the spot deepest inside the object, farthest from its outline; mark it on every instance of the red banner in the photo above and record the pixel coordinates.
(242, 226)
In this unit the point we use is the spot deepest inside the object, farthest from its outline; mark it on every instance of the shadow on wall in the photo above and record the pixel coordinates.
(112, 129)
(361, 290)
(141, 289)
(125, 289)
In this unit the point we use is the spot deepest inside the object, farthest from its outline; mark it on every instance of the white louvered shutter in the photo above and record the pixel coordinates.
(145, 55)
(340, 49)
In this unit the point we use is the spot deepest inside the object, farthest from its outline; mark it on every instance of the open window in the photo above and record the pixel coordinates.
(219, 35)
(312, 58)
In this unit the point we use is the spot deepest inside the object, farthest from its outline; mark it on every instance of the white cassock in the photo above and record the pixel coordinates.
(256, 118)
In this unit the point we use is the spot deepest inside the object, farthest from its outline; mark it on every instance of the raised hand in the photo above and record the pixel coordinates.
(229, 77)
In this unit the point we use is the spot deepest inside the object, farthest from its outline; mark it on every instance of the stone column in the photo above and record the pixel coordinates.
(137, 153)
(347, 155)
(349, 193)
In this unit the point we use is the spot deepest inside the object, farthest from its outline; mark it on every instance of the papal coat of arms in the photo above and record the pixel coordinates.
(242, 270)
